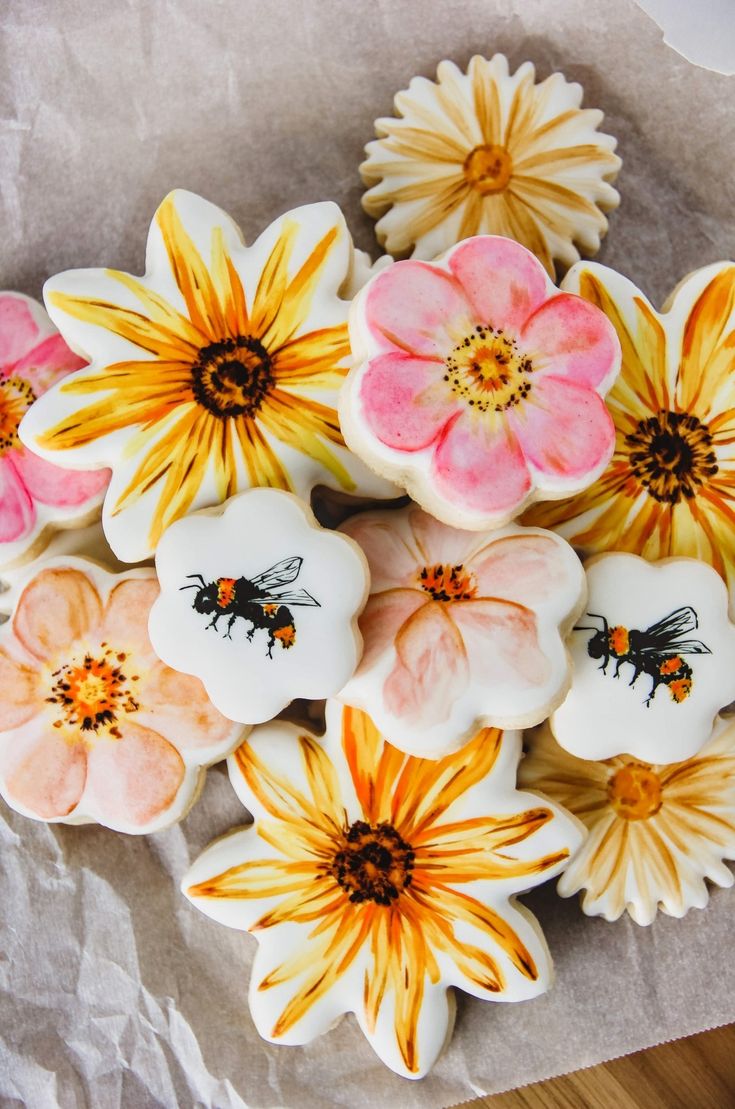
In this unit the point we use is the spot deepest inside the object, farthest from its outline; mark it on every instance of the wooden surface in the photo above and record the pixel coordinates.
(696, 1073)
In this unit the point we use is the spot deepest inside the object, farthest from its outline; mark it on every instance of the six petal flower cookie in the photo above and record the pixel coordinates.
(93, 727)
(461, 629)
(260, 603)
(653, 661)
(375, 881)
(489, 151)
(478, 385)
(217, 371)
(655, 832)
(35, 496)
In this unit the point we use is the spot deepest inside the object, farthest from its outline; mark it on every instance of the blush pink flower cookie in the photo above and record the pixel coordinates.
(34, 494)
(478, 385)
(461, 630)
(94, 727)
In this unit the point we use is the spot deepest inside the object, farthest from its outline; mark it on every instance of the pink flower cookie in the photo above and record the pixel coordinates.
(34, 493)
(93, 727)
(478, 385)
(461, 630)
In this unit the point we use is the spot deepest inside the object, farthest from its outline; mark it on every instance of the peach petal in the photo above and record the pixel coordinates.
(572, 339)
(431, 669)
(177, 706)
(564, 428)
(390, 560)
(384, 616)
(46, 363)
(125, 622)
(53, 485)
(18, 686)
(502, 280)
(17, 514)
(405, 400)
(411, 304)
(481, 468)
(57, 608)
(501, 640)
(527, 569)
(437, 542)
(134, 779)
(18, 329)
(49, 779)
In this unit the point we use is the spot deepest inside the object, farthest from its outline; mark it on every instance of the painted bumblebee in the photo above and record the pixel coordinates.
(262, 601)
(657, 651)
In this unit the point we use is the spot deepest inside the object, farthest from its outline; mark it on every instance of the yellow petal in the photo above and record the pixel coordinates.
(190, 273)
(155, 338)
(705, 330)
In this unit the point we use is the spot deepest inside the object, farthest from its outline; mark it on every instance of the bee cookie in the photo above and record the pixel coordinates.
(260, 603)
(654, 661)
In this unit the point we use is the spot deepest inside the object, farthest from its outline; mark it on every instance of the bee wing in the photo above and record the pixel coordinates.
(691, 647)
(283, 572)
(667, 632)
(288, 597)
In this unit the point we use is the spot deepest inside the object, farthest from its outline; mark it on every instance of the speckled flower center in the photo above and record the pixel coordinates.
(232, 377)
(488, 169)
(373, 863)
(488, 371)
(16, 397)
(671, 455)
(635, 791)
(447, 583)
(92, 692)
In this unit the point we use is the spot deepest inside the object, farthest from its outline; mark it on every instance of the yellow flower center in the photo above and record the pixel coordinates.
(447, 583)
(90, 693)
(671, 455)
(232, 377)
(635, 792)
(488, 370)
(488, 169)
(16, 397)
(372, 863)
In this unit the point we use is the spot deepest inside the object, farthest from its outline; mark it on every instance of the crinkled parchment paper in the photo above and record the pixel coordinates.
(114, 990)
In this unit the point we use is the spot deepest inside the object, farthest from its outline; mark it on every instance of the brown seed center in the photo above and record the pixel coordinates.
(373, 863)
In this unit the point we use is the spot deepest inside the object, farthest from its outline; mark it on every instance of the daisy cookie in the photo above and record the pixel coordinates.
(217, 371)
(93, 727)
(461, 629)
(477, 385)
(374, 882)
(260, 603)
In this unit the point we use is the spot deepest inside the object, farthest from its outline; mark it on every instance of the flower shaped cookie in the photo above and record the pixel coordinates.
(217, 371)
(460, 629)
(374, 881)
(490, 151)
(93, 727)
(655, 832)
(478, 385)
(33, 493)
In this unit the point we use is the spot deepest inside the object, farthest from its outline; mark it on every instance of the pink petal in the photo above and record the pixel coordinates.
(411, 305)
(18, 329)
(405, 400)
(528, 569)
(501, 640)
(481, 468)
(438, 543)
(564, 429)
(134, 779)
(125, 622)
(56, 609)
(18, 689)
(384, 616)
(49, 780)
(17, 514)
(502, 280)
(572, 339)
(431, 669)
(47, 363)
(177, 706)
(390, 560)
(53, 485)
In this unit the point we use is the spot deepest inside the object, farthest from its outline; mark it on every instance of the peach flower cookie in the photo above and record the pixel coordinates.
(260, 603)
(653, 661)
(461, 629)
(93, 727)
(35, 496)
(217, 371)
(657, 833)
(374, 882)
(478, 386)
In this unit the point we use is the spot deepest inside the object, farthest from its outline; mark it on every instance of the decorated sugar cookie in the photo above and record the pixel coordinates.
(670, 486)
(653, 661)
(461, 629)
(35, 496)
(478, 386)
(216, 371)
(260, 603)
(374, 881)
(490, 151)
(93, 727)
(656, 832)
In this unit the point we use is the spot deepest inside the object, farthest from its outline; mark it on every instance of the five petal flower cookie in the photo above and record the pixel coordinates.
(461, 629)
(93, 727)
(217, 371)
(374, 881)
(478, 385)
(656, 832)
(491, 152)
(34, 495)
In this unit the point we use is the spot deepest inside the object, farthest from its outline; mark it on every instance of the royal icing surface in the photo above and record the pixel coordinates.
(461, 629)
(653, 661)
(260, 603)
(478, 386)
(374, 881)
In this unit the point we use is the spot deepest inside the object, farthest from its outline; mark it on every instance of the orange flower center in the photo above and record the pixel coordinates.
(16, 397)
(635, 792)
(488, 370)
(232, 377)
(373, 863)
(488, 169)
(672, 456)
(448, 583)
(91, 693)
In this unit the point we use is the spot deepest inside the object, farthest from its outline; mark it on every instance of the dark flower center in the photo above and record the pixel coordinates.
(373, 863)
(444, 582)
(232, 377)
(488, 371)
(91, 692)
(671, 455)
(16, 397)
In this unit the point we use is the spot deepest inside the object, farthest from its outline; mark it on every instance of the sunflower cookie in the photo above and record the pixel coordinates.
(375, 881)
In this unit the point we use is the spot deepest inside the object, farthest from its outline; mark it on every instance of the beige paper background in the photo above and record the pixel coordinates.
(113, 989)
